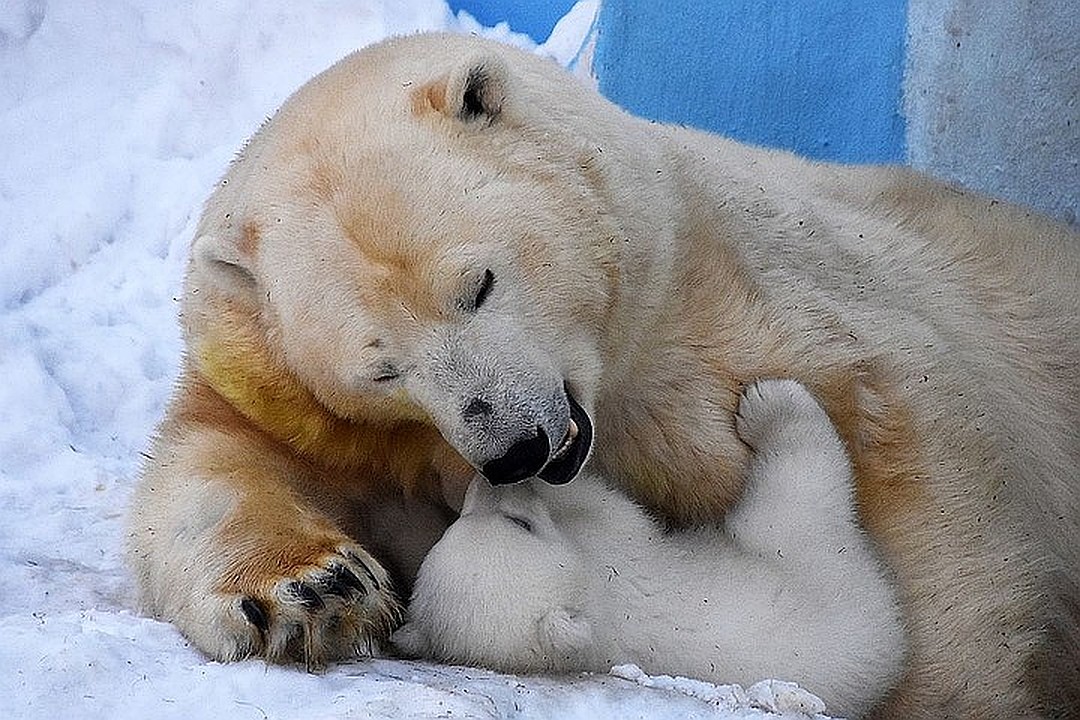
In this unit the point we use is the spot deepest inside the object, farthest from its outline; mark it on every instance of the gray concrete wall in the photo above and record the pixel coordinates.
(992, 98)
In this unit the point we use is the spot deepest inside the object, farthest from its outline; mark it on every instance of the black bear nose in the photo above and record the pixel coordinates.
(524, 459)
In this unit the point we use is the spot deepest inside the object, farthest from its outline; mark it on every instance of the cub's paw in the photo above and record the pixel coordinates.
(337, 606)
(773, 411)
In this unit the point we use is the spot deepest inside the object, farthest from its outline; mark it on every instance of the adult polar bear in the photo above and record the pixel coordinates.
(443, 254)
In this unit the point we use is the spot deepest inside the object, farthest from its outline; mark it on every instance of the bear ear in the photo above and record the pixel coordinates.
(565, 634)
(473, 92)
(223, 262)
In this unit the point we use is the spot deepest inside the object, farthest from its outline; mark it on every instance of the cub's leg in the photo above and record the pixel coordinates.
(224, 547)
(821, 591)
(799, 487)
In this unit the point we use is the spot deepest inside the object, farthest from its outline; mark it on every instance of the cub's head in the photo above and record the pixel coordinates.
(506, 586)
(420, 237)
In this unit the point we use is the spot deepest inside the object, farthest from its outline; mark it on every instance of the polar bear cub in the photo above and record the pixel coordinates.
(562, 579)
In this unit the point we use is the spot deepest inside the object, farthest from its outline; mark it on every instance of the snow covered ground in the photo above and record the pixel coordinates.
(116, 118)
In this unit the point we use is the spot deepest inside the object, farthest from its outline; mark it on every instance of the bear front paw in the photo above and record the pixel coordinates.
(774, 410)
(337, 608)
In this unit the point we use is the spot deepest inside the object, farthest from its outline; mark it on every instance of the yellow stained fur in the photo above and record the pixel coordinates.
(237, 365)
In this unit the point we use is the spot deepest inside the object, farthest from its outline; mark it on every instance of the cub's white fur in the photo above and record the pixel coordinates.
(541, 578)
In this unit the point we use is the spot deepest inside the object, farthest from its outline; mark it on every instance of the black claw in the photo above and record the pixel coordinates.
(366, 569)
(306, 595)
(256, 614)
(343, 582)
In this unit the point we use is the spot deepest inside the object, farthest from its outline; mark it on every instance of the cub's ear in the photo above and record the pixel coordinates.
(411, 641)
(565, 635)
(223, 262)
(473, 92)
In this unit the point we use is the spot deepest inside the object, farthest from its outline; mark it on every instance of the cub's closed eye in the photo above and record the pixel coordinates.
(520, 522)
(484, 290)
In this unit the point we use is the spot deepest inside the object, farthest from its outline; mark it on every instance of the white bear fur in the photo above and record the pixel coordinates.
(652, 272)
(534, 578)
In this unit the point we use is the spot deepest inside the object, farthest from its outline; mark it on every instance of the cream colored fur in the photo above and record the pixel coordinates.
(581, 579)
(346, 353)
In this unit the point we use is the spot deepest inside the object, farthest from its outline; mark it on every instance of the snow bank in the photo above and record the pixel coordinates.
(117, 117)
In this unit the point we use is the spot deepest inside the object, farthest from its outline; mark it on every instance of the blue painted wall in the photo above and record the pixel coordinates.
(535, 18)
(821, 77)
(985, 94)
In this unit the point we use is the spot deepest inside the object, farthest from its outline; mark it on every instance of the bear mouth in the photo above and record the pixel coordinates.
(573, 450)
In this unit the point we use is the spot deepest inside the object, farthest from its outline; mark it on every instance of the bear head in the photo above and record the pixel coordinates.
(507, 585)
(420, 237)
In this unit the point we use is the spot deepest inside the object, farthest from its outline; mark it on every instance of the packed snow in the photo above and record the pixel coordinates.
(116, 119)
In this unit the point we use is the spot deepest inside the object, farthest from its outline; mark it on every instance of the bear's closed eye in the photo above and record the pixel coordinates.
(386, 373)
(520, 522)
(484, 290)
